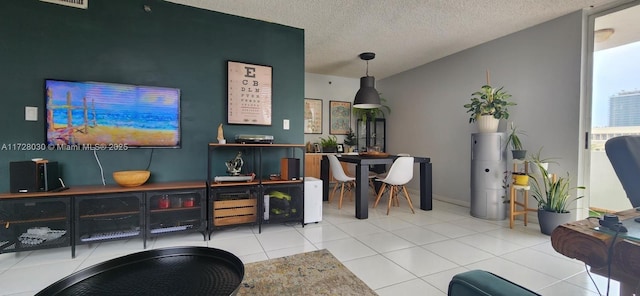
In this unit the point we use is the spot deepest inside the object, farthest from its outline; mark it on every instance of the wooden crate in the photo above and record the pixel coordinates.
(229, 212)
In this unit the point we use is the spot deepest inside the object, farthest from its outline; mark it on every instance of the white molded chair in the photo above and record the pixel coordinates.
(384, 174)
(400, 173)
(341, 177)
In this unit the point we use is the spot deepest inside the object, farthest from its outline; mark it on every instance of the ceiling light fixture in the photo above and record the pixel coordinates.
(367, 96)
(603, 34)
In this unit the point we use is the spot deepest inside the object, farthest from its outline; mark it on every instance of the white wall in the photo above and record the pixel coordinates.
(540, 66)
(329, 88)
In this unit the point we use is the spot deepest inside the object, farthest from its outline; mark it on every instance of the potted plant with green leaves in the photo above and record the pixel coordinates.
(329, 144)
(488, 106)
(553, 194)
(536, 160)
(517, 151)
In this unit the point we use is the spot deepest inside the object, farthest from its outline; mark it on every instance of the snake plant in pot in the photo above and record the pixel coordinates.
(513, 139)
(553, 194)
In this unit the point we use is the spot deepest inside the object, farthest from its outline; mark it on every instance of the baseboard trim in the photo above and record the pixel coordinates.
(532, 217)
(416, 192)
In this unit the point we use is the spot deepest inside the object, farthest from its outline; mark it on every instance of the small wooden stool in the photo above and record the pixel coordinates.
(513, 196)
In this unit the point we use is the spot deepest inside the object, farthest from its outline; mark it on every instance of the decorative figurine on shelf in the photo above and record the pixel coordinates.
(221, 139)
(234, 166)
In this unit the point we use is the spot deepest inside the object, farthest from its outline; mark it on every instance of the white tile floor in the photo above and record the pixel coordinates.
(399, 254)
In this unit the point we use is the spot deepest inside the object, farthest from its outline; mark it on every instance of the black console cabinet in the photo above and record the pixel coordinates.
(34, 223)
(104, 217)
(175, 211)
(92, 214)
(282, 203)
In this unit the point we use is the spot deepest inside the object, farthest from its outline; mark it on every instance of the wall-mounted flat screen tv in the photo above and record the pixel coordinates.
(118, 115)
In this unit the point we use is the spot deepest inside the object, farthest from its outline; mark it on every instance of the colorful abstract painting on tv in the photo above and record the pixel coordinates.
(90, 113)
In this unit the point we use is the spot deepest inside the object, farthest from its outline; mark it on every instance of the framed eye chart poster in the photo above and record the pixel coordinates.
(249, 94)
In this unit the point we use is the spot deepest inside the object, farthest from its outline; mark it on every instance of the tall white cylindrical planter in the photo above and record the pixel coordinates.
(488, 165)
(487, 124)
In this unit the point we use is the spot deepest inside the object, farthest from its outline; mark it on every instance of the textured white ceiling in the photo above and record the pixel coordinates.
(403, 33)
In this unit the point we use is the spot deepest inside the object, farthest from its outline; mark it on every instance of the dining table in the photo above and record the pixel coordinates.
(604, 251)
(362, 163)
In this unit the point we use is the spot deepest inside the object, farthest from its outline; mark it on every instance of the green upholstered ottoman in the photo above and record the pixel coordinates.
(484, 283)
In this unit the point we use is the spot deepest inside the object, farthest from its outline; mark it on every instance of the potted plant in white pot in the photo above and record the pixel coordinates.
(488, 106)
(536, 160)
(553, 195)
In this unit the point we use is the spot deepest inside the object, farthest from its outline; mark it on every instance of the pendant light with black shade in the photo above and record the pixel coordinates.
(367, 96)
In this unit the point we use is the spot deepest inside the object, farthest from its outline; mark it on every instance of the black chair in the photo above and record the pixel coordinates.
(624, 154)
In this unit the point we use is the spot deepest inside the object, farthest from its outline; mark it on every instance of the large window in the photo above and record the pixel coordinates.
(615, 99)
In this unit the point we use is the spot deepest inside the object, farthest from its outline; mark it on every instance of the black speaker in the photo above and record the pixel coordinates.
(290, 168)
(32, 176)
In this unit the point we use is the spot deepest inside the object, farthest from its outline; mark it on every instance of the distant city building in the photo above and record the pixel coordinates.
(600, 135)
(624, 109)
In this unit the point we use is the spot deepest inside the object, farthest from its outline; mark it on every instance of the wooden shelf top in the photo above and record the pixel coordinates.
(255, 182)
(228, 184)
(258, 145)
(99, 189)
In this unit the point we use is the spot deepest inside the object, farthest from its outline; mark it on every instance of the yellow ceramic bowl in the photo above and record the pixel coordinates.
(131, 178)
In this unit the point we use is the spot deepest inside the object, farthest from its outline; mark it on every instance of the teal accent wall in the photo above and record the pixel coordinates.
(119, 42)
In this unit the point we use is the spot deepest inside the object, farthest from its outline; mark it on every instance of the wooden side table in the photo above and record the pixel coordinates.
(516, 207)
(579, 240)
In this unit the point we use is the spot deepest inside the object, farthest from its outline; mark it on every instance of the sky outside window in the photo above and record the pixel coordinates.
(615, 70)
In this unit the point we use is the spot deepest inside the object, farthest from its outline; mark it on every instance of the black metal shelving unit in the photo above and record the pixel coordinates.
(233, 203)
